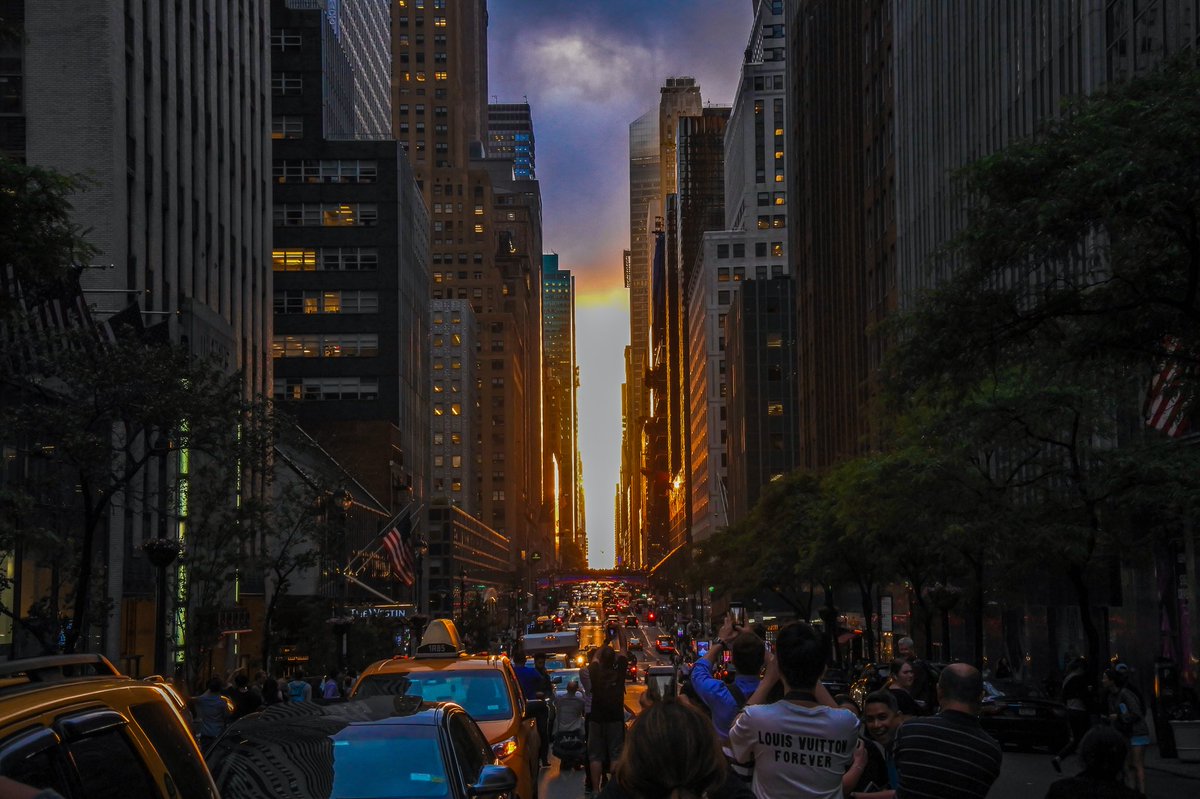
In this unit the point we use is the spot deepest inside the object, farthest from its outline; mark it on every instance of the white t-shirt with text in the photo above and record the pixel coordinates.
(797, 751)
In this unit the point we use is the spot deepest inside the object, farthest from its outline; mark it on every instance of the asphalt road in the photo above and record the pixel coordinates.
(1023, 776)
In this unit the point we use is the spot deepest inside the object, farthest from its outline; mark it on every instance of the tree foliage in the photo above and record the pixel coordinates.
(1077, 272)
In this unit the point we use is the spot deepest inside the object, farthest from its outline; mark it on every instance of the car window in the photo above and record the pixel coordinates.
(109, 768)
(481, 693)
(379, 761)
(36, 764)
(184, 766)
(472, 750)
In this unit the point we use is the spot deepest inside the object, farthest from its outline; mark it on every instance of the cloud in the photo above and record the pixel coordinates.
(587, 67)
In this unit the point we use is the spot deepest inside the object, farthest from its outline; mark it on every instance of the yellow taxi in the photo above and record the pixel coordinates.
(73, 723)
(483, 685)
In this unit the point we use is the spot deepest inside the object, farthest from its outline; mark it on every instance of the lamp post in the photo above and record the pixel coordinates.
(535, 558)
(162, 552)
(462, 596)
(421, 547)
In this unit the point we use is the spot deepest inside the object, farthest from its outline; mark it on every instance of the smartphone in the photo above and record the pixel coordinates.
(738, 612)
(702, 648)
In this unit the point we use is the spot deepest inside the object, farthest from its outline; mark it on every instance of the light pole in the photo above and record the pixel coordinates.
(162, 552)
(422, 549)
(462, 596)
(535, 557)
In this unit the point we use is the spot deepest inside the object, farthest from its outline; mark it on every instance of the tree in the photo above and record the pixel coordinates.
(1076, 276)
(90, 413)
(766, 550)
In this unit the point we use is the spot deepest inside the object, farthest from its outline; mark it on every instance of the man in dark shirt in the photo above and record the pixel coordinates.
(948, 756)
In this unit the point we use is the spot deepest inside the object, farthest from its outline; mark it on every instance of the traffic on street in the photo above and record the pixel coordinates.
(574, 705)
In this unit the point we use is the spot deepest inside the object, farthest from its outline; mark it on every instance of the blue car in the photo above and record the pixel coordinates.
(381, 746)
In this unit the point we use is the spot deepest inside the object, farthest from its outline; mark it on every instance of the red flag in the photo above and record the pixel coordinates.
(400, 554)
(1168, 403)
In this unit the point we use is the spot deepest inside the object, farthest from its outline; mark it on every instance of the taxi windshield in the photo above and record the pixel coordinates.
(483, 694)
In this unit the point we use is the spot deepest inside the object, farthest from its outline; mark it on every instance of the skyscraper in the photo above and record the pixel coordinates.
(176, 143)
(560, 385)
(485, 244)
(827, 226)
(510, 135)
(651, 179)
(748, 244)
(351, 271)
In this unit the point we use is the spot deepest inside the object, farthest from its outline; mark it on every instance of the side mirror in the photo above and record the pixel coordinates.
(493, 780)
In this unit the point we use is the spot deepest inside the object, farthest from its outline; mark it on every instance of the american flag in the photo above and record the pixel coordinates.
(398, 545)
(1169, 400)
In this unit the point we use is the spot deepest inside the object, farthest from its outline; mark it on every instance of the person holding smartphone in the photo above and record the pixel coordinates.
(725, 700)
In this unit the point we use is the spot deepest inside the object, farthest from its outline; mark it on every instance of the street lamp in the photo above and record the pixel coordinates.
(162, 552)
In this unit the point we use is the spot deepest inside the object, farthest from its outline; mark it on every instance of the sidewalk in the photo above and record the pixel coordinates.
(1171, 766)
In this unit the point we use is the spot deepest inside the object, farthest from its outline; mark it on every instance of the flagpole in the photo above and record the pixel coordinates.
(408, 510)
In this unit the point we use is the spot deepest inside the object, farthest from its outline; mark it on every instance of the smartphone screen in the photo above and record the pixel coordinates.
(702, 648)
(738, 612)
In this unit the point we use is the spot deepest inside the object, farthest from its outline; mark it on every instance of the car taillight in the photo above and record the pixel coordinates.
(505, 748)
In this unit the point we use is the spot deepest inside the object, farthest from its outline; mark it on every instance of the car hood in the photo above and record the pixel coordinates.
(497, 731)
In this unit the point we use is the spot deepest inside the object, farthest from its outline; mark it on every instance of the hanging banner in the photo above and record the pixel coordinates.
(885, 613)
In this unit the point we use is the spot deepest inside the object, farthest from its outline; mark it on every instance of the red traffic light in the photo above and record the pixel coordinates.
(650, 616)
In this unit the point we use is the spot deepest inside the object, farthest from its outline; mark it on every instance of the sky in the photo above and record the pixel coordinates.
(588, 68)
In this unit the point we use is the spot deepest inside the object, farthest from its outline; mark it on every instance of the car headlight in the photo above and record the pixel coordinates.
(506, 748)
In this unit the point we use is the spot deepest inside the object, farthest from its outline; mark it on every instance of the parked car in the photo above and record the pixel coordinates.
(483, 685)
(369, 748)
(1022, 715)
(74, 724)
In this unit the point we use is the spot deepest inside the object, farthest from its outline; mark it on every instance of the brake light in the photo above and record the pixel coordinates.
(650, 616)
(506, 748)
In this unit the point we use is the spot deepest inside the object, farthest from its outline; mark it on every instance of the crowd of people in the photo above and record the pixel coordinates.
(764, 726)
(224, 701)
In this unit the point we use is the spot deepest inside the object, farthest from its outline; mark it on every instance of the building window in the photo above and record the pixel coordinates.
(286, 84)
(317, 389)
(294, 260)
(284, 126)
(339, 345)
(777, 249)
(283, 40)
(739, 250)
(326, 302)
(764, 222)
(326, 214)
(774, 340)
(326, 171)
(774, 409)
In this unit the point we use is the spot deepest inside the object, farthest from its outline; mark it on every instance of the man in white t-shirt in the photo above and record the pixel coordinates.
(801, 745)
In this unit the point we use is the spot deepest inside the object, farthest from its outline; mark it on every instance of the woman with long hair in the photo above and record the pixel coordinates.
(672, 753)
